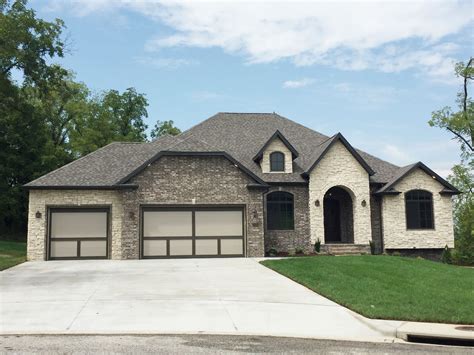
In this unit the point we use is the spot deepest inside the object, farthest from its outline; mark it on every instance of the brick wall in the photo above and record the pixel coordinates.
(288, 241)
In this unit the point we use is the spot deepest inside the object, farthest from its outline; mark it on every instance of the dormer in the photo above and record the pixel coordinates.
(276, 155)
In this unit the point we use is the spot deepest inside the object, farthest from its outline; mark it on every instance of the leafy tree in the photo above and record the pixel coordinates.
(111, 117)
(164, 127)
(461, 125)
(26, 41)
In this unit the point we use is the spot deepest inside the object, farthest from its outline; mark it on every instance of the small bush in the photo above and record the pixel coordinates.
(396, 253)
(446, 257)
(372, 247)
(299, 250)
(272, 252)
(317, 246)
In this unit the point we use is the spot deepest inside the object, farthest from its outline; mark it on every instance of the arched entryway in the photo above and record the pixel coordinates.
(338, 216)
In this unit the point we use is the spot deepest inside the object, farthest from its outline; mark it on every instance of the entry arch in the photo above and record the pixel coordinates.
(338, 209)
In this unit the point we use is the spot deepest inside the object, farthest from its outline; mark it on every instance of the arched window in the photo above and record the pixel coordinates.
(280, 211)
(277, 161)
(419, 209)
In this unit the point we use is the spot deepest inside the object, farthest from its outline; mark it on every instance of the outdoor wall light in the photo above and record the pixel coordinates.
(363, 203)
(38, 214)
(131, 215)
(316, 203)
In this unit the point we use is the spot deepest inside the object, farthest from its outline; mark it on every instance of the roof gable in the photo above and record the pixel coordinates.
(276, 135)
(324, 148)
(389, 188)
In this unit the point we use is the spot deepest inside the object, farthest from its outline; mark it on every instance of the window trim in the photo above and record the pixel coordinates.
(277, 153)
(433, 227)
(292, 210)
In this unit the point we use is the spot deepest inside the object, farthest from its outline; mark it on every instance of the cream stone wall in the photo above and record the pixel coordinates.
(40, 199)
(339, 168)
(276, 145)
(395, 233)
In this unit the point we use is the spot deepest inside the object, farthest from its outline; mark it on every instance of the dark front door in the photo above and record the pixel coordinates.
(332, 221)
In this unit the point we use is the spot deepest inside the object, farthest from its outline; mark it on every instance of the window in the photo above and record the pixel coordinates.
(419, 209)
(277, 161)
(280, 214)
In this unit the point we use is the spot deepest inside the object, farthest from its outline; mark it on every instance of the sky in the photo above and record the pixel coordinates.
(372, 70)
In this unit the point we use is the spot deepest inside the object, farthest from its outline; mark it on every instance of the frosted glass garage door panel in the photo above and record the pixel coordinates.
(64, 249)
(168, 224)
(78, 224)
(206, 247)
(93, 248)
(232, 246)
(218, 223)
(154, 247)
(181, 247)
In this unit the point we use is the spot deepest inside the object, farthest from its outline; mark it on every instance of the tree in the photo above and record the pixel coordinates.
(461, 125)
(164, 127)
(111, 117)
(26, 43)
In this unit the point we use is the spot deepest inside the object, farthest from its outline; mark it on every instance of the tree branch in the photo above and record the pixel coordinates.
(461, 138)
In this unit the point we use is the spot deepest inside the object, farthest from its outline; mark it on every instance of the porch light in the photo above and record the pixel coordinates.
(316, 203)
(38, 214)
(363, 203)
(131, 215)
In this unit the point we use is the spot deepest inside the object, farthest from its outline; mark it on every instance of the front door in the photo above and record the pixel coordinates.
(332, 221)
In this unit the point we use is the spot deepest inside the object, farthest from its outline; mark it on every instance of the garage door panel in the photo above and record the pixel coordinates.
(63, 249)
(93, 248)
(78, 224)
(154, 247)
(76, 233)
(167, 224)
(232, 246)
(181, 247)
(218, 223)
(206, 247)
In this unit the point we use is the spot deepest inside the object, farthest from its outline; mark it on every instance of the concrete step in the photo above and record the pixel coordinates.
(345, 249)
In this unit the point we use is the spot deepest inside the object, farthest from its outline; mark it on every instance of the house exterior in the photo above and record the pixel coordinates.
(236, 184)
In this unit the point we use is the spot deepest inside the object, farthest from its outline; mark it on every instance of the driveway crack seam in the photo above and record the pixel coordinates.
(82, 308)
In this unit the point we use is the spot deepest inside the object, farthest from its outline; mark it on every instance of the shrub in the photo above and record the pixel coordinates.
(372, 247)
(317, 246)
(446, 257)
(272, 252)
(299, 250)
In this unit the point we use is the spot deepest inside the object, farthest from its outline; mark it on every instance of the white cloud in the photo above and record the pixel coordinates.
(388, 36)
(396, 154)
(295, 84)
(166, 63)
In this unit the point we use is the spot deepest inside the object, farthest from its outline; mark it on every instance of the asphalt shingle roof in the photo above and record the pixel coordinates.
(241, 135)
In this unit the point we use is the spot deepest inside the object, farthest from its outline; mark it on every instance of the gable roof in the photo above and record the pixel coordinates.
(238, 137)
(324, 147)
(280, 136)
(389, 188)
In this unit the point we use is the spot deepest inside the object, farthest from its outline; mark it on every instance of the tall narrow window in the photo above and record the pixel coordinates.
(277, 161)
(280, 211)
(419, 209)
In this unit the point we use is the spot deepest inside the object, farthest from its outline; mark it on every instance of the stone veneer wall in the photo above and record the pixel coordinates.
(339, 168)
(289, 240)
(396, 235)
(376, 220)
(276, 145)
(179, 180)
(40, 199)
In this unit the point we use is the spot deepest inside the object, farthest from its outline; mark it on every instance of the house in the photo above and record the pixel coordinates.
(236, 184)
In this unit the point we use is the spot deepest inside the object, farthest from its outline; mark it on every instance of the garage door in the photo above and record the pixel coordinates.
(192, 232)
(78, 233)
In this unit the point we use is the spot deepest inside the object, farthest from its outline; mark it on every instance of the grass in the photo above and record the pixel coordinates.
(387, 287)
(11, 253)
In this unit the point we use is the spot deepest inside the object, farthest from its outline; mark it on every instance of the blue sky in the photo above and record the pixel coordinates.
(372, 70)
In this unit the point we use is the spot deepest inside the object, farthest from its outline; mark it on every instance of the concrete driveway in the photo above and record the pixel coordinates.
(222, 296)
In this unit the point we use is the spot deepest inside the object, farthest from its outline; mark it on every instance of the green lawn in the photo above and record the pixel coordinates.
(11, 253)
(387, 287)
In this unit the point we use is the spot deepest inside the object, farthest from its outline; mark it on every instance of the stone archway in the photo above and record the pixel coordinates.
(338, 216)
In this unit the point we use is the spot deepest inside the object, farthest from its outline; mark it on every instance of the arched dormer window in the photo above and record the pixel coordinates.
(280, 211)
(277, 161)
(419, 209)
